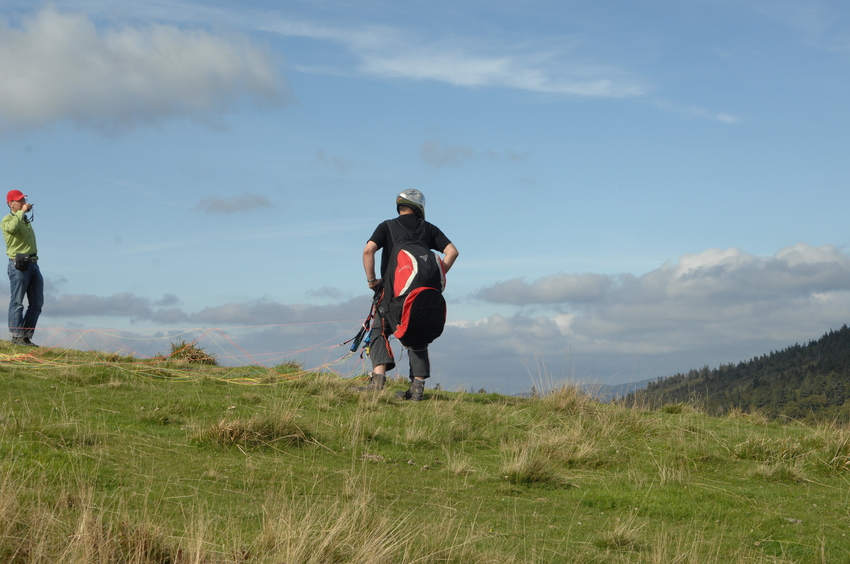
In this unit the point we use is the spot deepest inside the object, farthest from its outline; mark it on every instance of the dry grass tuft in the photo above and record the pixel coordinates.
(145, 544)
(781, 471)
(258, 431)
(624, 537)
(756, 417)
(569, 400)
(531, 463)
(677, 408)
(459, 463)
(833, 456)
(765, 449)
(321, 383)
(311, 530)
(74, 529)
(191, 353)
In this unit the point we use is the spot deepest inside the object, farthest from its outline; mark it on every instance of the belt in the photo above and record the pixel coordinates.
(32, 259)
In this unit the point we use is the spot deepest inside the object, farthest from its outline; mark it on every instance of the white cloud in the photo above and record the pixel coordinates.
(59, 66)
(729, 276)
(559, 288)
(716, 302)
(715, 306)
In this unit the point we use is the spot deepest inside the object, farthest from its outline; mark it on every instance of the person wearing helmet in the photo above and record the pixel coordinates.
(24, 275)
(410, 206)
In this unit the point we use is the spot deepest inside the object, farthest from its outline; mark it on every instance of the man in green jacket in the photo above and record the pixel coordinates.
(24, 275)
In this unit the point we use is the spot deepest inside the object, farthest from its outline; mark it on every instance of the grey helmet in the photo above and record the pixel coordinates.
(412, 199)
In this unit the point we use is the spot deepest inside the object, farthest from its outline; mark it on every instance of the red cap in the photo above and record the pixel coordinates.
(14, 196)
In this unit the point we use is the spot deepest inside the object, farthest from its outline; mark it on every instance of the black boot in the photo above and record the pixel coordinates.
(376, 383)
(414, 393)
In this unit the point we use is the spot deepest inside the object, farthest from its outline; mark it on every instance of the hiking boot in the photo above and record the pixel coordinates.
(22, 341)
(376, 383)
(414, 393)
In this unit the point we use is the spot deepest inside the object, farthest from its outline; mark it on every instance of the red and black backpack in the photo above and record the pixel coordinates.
(413, 305)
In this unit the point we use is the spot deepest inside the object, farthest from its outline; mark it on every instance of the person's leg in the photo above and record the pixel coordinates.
(420, 364)
(35, 300)
(381, 355)
(17, 290)
(420, 370)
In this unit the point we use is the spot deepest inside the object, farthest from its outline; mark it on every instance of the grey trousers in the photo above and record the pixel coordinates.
(381, 353)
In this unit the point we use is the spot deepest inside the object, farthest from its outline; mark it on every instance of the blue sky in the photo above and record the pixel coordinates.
(635, 189)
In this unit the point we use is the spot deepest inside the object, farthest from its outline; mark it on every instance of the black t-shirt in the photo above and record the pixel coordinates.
(381, 237)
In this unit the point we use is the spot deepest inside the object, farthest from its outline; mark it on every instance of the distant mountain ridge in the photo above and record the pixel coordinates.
(607, 393)
(804, 382)
(604, 393)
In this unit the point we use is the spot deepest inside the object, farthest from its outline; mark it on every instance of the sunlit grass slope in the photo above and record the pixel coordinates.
(101, 461)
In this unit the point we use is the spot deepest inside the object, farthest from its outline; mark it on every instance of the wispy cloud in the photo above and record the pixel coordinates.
(164, 311)
(59, 66)
(233, 204)
(696, 112)
(502, 71)
(333, 163)
(268, 312)
(434, 153)
(818, 23)
(405, 52)
(124, 305)
(326, 293)
(386, 52)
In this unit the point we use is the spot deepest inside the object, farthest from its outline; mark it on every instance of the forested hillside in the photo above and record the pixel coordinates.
(804, 382)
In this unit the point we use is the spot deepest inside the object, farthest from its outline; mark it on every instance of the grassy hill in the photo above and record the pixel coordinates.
(803, 382)
(113, 460)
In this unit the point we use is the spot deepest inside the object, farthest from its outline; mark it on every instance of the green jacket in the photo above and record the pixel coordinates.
(20, 238)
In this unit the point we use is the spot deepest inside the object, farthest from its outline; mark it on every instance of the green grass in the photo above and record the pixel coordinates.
(103, 459)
